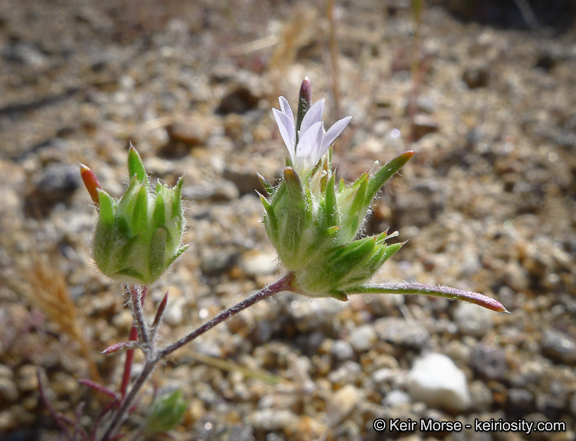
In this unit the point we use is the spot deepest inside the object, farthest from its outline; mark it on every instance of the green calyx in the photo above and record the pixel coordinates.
(313, 224)
(138, 236)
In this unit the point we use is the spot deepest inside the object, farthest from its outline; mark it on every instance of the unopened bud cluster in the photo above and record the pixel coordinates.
(139, 235)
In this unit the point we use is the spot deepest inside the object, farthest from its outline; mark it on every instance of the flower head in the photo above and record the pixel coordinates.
(139, 235)
(313, 221)
(308, 142)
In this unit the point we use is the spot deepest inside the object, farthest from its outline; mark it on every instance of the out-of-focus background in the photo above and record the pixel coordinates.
(485, 91)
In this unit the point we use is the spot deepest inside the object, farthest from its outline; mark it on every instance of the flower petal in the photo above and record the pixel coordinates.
(286, 130)
(286, 109)
(334, 132)
(308, 149)
(313, 116)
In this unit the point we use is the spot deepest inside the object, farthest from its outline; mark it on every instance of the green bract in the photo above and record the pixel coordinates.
(139, 236)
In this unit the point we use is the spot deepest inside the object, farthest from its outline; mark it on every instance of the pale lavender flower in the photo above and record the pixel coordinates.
(313, 140)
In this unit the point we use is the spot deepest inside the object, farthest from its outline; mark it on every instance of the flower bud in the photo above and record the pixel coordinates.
(138, 236)
(166, 413)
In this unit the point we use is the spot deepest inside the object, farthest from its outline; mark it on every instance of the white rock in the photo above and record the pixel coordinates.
(272, 419)
(341, 404)
(395, 398)
(255, 263)
(438, 382)
(174, 314)
(363, 338)
(472, 319)
(342, 350)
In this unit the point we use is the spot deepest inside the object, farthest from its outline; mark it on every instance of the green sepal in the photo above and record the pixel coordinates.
(355, 211)
(159, 214)
(378, 179)
(338, 295)
(156, 262)
(294, 187)
(269, 188)
(126, 251)
(136, 166)
(177, 199)
(332, 231)
(391, 250)
(140, 216)
(107, 207)
(331, 204)
(128, 200)
(131, 273)
(176, 255)
(270, 220)
(122, 228)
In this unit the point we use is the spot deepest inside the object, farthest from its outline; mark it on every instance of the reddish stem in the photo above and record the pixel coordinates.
(128, 363)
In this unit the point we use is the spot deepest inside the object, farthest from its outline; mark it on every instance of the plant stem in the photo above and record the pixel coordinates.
(435, 291)
(283, 284)
(137, 295)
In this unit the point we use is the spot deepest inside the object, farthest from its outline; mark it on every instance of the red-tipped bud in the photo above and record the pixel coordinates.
(91, 182)
(304, 101)
(122, 346)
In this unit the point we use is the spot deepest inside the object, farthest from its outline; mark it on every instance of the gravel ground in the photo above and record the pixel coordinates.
(488, 204)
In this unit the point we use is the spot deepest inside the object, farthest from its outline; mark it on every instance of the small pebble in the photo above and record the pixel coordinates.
(272, 419)
(559, 346)
(363, 338)
(473, 320)
(341, 403)
(8, 390)
(341, 350)
(438, 382)
(396, 398)
(402, 333)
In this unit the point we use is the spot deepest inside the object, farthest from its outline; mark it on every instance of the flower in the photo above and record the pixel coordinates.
(314, 222)
(308, 142)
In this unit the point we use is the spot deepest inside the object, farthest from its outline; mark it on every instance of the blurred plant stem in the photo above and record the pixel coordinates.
(334, 57)
(415, 68)
(153, 356)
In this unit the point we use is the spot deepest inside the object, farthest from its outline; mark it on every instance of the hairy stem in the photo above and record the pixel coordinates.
(283, 284)
(435, 291)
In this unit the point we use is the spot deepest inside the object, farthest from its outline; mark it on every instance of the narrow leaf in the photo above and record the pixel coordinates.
(386, 172)
(434, 291)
